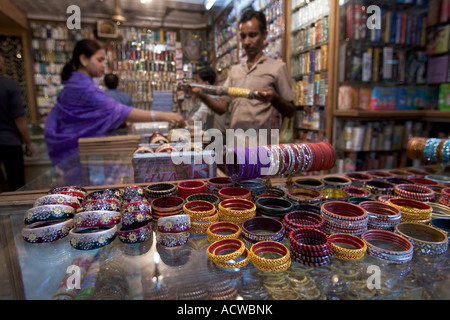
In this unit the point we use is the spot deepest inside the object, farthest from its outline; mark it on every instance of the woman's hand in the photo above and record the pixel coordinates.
(174, 119)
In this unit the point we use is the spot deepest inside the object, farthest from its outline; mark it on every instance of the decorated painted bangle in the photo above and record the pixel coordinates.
(263, 229)
(135, 234)
(132, 191)
(172, 239)
(273, 207)
(47, 231)
(414, 192)
(188, 187)
(357, 251)
(107, 193)
(161, 189)
(174, 224)
(299, 219)
(304, 195)
(358, 178)
(68, 189)
(388, 246)
(333, 194)
(130, 218)
(424, 238)
(60, 199)
(235, 244)
(92, 238)
(167, 206)
(234, 192)
(101, 204)
(142, 205)
(356, 192)
(223, 230)
(213, 185)
(100, 218)
(412, 209)
(211, 198)
(48, 213)
(376, 187)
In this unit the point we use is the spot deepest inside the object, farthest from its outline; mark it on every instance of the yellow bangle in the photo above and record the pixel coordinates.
(216, 230)
(271, 265)
(235, 265)
(347, 253)
(225, 244)
(189, 206)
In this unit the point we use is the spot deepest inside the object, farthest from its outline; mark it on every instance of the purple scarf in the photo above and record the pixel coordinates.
(82, 109)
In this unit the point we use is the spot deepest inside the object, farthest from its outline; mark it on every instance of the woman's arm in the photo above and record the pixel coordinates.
(138, 115)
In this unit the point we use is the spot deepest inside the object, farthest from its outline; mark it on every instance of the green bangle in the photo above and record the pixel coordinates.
(273, 207)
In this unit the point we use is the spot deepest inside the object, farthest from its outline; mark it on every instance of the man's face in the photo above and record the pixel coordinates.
(252, 40)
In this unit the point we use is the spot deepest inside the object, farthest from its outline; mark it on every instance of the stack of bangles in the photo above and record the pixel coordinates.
(159, 190)
(212, 198)
(340, 243)
(388, 246)
(157, 138)
(269, 264)
(310, 247)
(337, 182)
(344, 217)
(189, 187)
(412, 210)
(136, 218)
(213, 185)
(234, 193)
(273, 207)
(239, 256)
(173, 231)
(268, 192)
(236, 210)
(381, 215)
(202, 213)
(415, 192)
(47, 231)
(304, 195)
(166, 206)
(262, 229)
(440, 210)
(299, 219)
(376, 187)
(223, 230)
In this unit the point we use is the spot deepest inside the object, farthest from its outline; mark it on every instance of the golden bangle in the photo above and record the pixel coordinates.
(187, 208)
(233, 228)
(235, 265)
(347, 253)
(228, 244)
(264, 245)
(196, 218)
(269, 268)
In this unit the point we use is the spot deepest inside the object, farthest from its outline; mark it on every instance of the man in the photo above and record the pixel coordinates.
(13, 131)
(267, 76)
(112, 82)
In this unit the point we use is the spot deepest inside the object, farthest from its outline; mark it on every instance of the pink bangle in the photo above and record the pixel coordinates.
(189, 187)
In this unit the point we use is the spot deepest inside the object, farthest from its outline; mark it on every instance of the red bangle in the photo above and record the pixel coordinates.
(380, 174)
(234, 192)
(135, 234)
(165, 148)
(445, 197)
(381, 216)
(299, 219)
(189, 187)
(167, 206)
(358, 178)
(213, 185)
(379, 240)
(424, 181)
(356, 192)
(415, 192)
(344, 217)
(98, 218)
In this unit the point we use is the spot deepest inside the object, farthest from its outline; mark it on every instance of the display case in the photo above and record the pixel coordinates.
(151, 271)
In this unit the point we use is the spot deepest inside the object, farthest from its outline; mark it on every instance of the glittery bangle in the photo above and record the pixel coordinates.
(263, 229)
(266, 264)
(223, 230)
(336, 182)
(101, 204)
(358, 178)
(268, 192)
(376, 187)
(424, 238)
(213, 185)
(174, 224)
(235, 244)
(158, 190)
(172, 239)
(356, 192)
(47, 231)
(333, 194)
(92, 238)
(136, 233)
(414, 192)
(304, 195)
(273, 207)
(58, 199)
(48, 213)
(357, 251)
(381, 215)
(412, 209)
(96, 218)
(388, 246)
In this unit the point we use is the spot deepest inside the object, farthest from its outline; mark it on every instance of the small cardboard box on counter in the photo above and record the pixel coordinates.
(184, 165)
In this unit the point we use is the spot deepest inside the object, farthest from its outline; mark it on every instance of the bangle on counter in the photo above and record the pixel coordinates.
(158, 138)
(135, 233)
(358, 178)
(401, 174)
(251, 184)
(333, 194)
(270, 264)
(92, 238)
(381, 216)
(229, 260)
(199, 209)
(299, 219)
(47, 231)
(388, 246)
(380, 174)
(310, 247)
(415, 192)
(213, 185)
(141, 205)
(358, 200)
(262, 229)
(98, 218)
(424, 238)
(376, 187)
(223, 230)
(143, 149)
(412, 210)
(201, 227)
(439, 210)
(132, 191)
(167, 206)
(234, 192)
(442, 224)
(337, 182)
(174, 224)
(59, 199)
(108, 193)
(236, 210)
(172, 239)
(189, 187)
(423, 181)
(384, 198)
(273, 207)
(68, 189)
(166, 147)
(304, 195)
(397, 180)
(438, 178)
(135, 217)
(48, 213)
(344, 217)
(356, 192)
(357, 246)
(268, 192)
(212, 198)
(101, 204)
(161, 189)
(309, 183)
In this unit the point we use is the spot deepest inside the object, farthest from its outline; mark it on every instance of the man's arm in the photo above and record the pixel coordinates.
(219, 106)
(22, 125)
(286, 108)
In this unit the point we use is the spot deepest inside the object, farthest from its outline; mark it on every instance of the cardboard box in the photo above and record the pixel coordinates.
(383, 98)
(157, 167)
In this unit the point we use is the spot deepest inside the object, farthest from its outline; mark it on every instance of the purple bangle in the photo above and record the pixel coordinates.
(174, 224)
(274, 227)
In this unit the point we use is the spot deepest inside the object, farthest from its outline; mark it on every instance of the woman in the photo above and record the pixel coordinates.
(83, 109)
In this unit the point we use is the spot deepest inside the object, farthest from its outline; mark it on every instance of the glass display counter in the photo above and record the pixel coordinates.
(151, 271)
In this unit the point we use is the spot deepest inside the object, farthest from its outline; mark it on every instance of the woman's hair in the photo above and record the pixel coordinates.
(88, 47)
(250, 14)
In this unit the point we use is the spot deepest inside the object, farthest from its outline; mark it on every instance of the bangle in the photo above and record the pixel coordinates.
(310, 246)
(270, 265)
(199, 209)
(262, 229)
(299, 219)
(157, 138)
(439, 210)
(344, 217)
(166, 206)
(225, 244)
(356, 192)
(99, 218)
(358, 200)
(60, 199)
(333, 194)
(223, 230)
(139, 205)
(381, 216)
(165, 147)
(108, 193)
(213, 185)
(133, 191)
(438, 178)
(47, 231)
(92, 238)
(130, 218)
(236, 210)
(380, 174)
(48, 213)
(135, 234)
(442, 224)
(424, 238)
(397, 180)
(402, 174)
(309, 183)
(305, 195)
(336, 182)
(174, 224)
(67, 189)
(423, 181)
(376, 187)
(172, 239)
(388, 246)
(415, 192)
(268, 192)
(189, 187)
(273, 207)
(101, 204)
(358, 178)
(152, 115)
(211, 198)
(412, 209)
(158, 190)
(234, 192)
(143, 149)
(357, 251)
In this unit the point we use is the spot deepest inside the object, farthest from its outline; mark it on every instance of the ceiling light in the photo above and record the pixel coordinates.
(209, 4)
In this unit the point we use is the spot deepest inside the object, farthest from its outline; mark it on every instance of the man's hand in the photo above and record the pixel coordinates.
(29, 150)
(265, 95)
